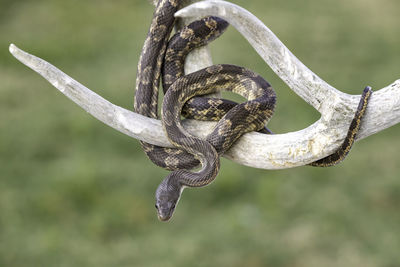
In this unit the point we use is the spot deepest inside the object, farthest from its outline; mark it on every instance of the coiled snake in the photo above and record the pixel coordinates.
(160, 56)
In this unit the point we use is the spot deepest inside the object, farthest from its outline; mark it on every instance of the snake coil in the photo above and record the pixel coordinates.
(181, 98)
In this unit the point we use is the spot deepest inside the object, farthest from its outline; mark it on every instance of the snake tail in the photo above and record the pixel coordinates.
(344, 149)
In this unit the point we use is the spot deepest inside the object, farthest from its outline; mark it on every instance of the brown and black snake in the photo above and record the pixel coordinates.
(181, 98)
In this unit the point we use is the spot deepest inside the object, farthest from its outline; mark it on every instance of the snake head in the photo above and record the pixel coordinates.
(167, 197)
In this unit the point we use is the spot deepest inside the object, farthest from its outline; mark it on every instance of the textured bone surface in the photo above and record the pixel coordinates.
(256, 150)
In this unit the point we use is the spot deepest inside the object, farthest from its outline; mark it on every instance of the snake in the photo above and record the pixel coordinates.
(163, 57)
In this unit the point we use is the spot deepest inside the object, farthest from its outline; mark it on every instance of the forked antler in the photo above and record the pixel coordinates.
(256, 150)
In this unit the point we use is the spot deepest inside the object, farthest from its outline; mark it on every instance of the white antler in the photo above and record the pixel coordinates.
(256, 150)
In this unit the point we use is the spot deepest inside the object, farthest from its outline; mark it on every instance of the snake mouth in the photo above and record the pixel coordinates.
(164, 216)
(164, 219)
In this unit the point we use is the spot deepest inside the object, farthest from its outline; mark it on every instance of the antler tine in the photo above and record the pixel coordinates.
(289, 68)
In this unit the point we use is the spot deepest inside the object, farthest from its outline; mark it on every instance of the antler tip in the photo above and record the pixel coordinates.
(13, 49)
(16, 52)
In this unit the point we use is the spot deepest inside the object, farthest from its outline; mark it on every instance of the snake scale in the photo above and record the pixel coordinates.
(163, 57)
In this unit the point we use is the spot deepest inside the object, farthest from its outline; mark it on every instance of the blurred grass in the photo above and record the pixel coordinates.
(76, 193)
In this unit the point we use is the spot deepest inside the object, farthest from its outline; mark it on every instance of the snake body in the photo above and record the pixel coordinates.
(245, 117)
(180, 98)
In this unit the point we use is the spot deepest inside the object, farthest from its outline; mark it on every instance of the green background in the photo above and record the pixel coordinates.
(74, 192)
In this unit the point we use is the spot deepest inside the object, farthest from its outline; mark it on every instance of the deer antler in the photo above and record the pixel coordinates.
(253, 149)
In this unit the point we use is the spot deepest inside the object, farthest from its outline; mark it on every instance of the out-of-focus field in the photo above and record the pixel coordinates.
(74, 192)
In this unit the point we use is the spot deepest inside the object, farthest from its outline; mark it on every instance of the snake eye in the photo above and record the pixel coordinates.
(156, 206)
(173, 206)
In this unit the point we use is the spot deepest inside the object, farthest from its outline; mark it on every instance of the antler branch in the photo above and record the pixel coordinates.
(253, 149)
